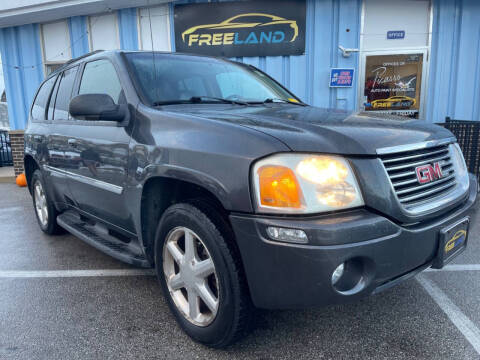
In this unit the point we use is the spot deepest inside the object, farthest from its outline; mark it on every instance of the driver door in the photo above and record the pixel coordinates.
(102, 149)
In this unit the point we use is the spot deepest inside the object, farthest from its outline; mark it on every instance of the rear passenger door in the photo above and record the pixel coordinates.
(38, 137)
(60, 159)
(101, 148)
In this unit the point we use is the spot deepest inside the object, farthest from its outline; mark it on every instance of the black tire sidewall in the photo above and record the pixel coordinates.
(51, 226)
(220, 329)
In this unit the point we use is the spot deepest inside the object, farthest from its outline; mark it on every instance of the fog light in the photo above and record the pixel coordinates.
(338, 273)
(287, 235)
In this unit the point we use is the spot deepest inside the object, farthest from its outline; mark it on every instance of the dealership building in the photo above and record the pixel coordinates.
(416, 58)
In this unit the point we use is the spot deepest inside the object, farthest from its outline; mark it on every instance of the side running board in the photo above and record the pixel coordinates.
(98, 237)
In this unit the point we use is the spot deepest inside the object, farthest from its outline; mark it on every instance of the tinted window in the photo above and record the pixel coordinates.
(100, 77)
(40, 103)
(51, 104)
(64, 94)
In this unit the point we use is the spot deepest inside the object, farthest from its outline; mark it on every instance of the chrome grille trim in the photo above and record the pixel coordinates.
(418, 163)
(425, 186)
(417, 146)
(414, 156)
(400, 168)
(396, 176)
(429, 192)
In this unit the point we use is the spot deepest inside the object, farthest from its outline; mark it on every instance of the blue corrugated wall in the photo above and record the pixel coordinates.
(77, 26)
(454, 83)
(127, 23)
(22, 69)
(454, 86)
(22, 65)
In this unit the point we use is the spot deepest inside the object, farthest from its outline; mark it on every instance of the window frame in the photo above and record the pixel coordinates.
(76, 89)
(45, 117)
(81, 71)
(59, 78)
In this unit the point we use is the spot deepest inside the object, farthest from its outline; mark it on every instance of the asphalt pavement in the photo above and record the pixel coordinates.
(62, 299)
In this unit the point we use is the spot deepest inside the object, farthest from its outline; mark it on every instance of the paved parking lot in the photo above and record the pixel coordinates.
(62, 299)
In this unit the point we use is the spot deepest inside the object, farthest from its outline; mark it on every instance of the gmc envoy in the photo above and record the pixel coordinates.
(240, 195)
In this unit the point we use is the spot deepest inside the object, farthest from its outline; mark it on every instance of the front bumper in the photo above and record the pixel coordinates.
(284, 275)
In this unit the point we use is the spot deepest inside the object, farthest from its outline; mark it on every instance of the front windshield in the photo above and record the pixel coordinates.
(167, 79)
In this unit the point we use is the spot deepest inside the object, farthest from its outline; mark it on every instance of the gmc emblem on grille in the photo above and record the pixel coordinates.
(428, 173)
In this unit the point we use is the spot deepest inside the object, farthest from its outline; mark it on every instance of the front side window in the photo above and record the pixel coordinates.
(40, 103)
(100, 77)
(64, 94)
(168, 79)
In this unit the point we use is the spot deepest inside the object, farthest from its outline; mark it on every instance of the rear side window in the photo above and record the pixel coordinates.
(100, 77)
(40, 103)
(64, 94)
(51, 103)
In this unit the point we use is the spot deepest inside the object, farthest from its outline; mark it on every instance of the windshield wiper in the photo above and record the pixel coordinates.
(199, 99)
(272, 100)
(226, 101)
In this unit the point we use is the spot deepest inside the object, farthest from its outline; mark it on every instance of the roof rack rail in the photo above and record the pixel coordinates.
(77, 58)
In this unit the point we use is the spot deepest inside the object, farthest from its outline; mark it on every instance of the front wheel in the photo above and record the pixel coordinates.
(201, 275)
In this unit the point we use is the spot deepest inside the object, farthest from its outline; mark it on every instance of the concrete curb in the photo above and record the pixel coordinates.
(7, 180)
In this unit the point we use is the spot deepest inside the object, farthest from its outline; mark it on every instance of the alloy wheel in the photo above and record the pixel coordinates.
(190, 276)
(40, 203)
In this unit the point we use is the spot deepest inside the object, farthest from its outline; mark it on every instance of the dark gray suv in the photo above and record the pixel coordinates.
(239, 194)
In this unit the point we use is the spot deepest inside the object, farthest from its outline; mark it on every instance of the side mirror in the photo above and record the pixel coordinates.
(96, 107)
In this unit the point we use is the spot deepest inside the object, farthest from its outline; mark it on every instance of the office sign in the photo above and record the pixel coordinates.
(341, 77)
(393, 83)
(241, 28)
(396, 35)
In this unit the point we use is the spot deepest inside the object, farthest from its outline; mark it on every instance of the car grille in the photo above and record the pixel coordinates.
(401, 167)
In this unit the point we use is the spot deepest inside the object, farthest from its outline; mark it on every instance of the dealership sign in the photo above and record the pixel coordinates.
(245, 28)
(393, 83)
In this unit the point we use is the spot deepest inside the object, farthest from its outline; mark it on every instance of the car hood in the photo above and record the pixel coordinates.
(312, 129)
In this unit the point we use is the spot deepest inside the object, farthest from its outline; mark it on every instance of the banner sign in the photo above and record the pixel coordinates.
(241, 28)
(341, 77)
(393, 83)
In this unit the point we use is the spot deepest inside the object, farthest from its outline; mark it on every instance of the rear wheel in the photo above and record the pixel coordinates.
(201, 275)
(44, 208)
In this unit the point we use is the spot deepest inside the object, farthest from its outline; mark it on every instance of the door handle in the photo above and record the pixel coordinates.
(72, 142)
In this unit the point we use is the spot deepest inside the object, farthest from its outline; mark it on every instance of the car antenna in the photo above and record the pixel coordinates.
(153, 50)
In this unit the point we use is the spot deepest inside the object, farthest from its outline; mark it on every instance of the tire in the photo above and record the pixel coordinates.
(234, 310)
(40, 197)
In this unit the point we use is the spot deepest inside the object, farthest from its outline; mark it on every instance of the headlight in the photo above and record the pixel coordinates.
(299, 183)
(460, 166)
(459, 159)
